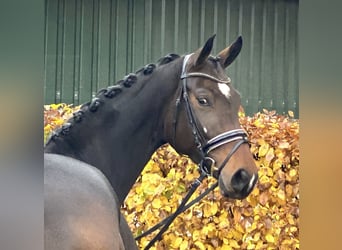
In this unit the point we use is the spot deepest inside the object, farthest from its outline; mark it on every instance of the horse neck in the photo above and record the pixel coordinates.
(120, 137)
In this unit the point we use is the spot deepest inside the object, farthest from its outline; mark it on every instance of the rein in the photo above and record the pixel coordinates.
(207, 165)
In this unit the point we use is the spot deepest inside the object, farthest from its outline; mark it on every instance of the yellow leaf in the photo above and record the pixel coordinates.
(277, 164)
(269, 237)
(196, 235)
(264, 179)
(288, 190)
(59, 122)
(290, 219)
(250, 245)
(226, 247)
(176, 242)
(54, 106)
(156, 203)
(269, 172)
(149, 188)
(171, 174)
(293, 229)
(269, 155)
(284, 145)
(200, 245)
(47, 127)
(259, 123)
(263, 149)
(259, 245)
(290, 113)
(256, 236)
(213, 208)
(293, 173)
(281, 194)
(160, 189)
(252, 199)
(184, 245)
(239, 228)
(233, 243)
(206, 210)
(208, 229)
(224, 224)
(167, 208)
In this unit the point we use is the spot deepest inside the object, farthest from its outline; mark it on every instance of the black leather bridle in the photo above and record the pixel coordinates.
(207, 164)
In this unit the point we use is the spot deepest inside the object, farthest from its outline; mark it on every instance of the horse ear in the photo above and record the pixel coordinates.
(228, 55)
(202, 54)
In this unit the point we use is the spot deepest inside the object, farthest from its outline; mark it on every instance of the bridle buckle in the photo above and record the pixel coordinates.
(208, 165)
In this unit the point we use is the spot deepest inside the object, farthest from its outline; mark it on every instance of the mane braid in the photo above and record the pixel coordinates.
(168, 58)
(147, 69)
(84, 105)
(129, 80)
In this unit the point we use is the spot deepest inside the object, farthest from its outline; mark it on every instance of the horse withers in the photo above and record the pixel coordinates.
(94, 159)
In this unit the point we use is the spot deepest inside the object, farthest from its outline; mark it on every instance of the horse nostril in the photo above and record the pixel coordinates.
(240, 180)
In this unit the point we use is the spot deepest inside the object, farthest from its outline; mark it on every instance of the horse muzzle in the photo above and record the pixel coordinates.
(240, 185)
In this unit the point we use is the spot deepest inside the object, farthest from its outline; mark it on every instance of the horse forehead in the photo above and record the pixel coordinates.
(224, 89)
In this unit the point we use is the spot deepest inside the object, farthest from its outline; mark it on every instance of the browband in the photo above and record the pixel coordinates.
(199, 74)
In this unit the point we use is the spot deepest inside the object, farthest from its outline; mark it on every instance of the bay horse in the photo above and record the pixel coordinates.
(94, 159)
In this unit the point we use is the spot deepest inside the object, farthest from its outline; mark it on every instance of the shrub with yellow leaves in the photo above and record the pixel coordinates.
(267, 219)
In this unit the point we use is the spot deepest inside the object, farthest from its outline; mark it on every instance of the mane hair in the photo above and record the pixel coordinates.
(109, 93)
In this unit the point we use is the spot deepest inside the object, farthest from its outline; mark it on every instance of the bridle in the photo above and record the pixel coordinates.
(207, 164)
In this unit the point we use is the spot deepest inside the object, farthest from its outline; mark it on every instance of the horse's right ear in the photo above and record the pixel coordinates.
(202, 54)
(228, 55)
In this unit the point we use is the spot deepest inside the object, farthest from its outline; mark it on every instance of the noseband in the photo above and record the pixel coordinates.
(207, 164)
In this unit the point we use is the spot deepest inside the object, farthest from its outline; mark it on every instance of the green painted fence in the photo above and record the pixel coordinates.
(90, 44)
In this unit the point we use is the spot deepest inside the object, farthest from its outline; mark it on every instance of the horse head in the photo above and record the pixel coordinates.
(204, 122)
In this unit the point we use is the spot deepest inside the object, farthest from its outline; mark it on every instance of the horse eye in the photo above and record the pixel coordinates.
(203, 101)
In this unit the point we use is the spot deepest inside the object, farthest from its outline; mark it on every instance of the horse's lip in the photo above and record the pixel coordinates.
(224, 191)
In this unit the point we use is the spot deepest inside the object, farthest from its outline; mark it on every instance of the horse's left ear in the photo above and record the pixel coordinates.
(228, 55)
(202, 54)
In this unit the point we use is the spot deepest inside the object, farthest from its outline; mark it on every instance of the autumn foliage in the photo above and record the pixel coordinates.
(267, 219)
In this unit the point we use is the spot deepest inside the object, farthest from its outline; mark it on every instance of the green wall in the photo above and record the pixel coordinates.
(90, 44)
